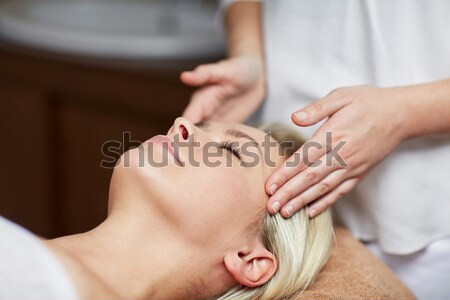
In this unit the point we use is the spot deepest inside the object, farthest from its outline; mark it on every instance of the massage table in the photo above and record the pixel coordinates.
(354, 273)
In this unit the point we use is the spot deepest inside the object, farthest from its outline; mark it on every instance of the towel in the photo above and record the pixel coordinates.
(28, 269)
(354, 273)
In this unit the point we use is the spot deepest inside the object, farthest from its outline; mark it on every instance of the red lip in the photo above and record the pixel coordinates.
(167, 144)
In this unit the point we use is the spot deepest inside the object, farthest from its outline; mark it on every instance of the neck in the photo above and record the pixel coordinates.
(133, 265)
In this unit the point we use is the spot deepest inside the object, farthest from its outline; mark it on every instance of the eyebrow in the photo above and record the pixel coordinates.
(239, 134)
(231, 132)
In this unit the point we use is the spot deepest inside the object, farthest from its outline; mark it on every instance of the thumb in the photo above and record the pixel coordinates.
(317, 111)
(204, 74)
(204, 102)
(193, 113)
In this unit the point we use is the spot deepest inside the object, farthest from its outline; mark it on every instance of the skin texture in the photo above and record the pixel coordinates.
(224, 87)
(177, 232)
(396, 114)
(232, 89)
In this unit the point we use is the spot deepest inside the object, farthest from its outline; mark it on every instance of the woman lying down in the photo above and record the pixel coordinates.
(194, 228)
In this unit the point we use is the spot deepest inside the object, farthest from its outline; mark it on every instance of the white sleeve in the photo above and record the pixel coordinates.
(28, 269)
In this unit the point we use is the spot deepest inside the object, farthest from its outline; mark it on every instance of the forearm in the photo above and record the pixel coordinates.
(244, 29)
(425, 107)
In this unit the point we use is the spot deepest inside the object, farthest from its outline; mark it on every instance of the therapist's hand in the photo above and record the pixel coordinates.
(365, 123)
(229, 91)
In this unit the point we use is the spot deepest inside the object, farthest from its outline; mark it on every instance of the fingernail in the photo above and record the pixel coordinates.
(301, 116)
(276, 206)
(312, 213)
(273, 188)
(288, 210)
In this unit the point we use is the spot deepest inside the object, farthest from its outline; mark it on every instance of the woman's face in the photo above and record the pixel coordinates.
(205, 180)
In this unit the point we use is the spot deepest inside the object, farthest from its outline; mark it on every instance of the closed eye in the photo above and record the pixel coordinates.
(230, 146)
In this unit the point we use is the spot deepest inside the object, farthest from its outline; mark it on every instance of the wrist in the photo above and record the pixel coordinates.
(245, 50)
(423, 108)
(400, 112)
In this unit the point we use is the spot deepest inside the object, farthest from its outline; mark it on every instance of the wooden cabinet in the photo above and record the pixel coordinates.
(54, 118)
(25, 165)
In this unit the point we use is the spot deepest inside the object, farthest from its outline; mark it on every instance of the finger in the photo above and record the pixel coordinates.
(310, 152)
(329, 183)
(318, 110)
(329, 199)
(205, 101)
(205, 74)
(200, 107)
(193, 112)
(300, 183)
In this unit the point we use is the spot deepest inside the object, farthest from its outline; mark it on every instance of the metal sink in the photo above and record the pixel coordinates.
(126, 29)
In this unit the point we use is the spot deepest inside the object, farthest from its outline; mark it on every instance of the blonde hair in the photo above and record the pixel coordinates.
(301, 245)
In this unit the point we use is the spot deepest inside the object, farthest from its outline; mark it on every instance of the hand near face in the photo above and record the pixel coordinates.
(229, 91)
(365, 123)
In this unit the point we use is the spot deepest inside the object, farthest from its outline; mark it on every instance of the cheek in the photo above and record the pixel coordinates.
(204, 192)
(222, 188)
(206, 204)
(213, 203)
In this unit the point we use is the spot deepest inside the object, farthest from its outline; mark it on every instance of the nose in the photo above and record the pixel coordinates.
(183, 127)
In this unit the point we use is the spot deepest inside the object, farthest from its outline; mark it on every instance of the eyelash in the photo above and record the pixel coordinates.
(229, 147)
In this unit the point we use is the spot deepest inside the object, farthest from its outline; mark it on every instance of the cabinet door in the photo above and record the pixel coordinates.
(25, 163)
(83, 183)
(54, 118)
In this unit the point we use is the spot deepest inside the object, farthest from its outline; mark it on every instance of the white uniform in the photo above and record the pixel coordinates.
(315, 46)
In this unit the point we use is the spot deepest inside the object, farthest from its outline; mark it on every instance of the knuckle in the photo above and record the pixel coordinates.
(338, 136)
(311, 176)
(298, 203)
(302, 201)
(201, 68)
(317, 108)
(327, 202)
(333, 200)
(280, 178)
(348, 156)
(346, 189)
(298, 200)
(339, 194)
(354, 170)
(338, 92)
(286, 194)
(196, 98)
(324, 187)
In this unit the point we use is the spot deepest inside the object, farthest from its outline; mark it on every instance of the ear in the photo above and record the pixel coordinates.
(252, 267)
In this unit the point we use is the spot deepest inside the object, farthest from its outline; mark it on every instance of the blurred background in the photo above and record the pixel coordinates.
(75, 74)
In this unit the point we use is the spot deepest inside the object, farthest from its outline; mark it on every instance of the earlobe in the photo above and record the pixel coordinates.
(251, 268)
